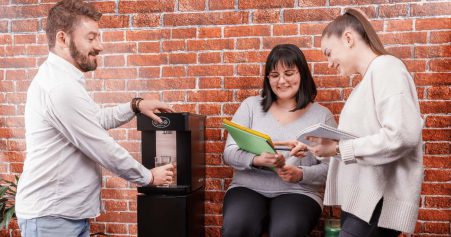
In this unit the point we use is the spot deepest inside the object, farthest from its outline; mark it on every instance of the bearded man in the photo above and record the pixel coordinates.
(66, 132)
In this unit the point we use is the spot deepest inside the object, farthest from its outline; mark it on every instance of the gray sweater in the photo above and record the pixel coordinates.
(268, 183)
(383, 111)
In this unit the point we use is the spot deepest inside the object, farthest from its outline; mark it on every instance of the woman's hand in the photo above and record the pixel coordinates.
(322, 147)
(298, 148)
(291, 174)
(269, 160)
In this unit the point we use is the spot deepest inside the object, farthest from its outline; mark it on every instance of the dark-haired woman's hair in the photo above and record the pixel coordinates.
(358, 22)
(289, 55)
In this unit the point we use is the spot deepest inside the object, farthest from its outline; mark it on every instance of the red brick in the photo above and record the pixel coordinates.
(24, 39)
(114, 61)
(440, 65)
(211, 231)
(245, 57)
(211, 32)
(437, 228)
(328, 95)
(430, 9)
(37, 50)
(24, 26)
(243, 82)
(211, 44)
(146, 60)
(392, 11)
(439, 93)
(15, 75)
(205, 58)
(436, 134)
(146, 35)
(433, 24)
(213, 159)
(210, 70)
(311, 28)
(248, 69)
(111, 36)
(437, 202)
(210, 109)
(213, 134)
(434, 215)
(432, 51)
(238, 31)
(289, 29)
(438, 121)
(221, 4)
(173, 45)
(174, 71)
(191, 108)
(5, 39)
(251, 4)
(183, 58)
(354, 2)
(244, 93)
(116, 228)
(248, 43)
(399, 25)
(437, 175)
(431, 107)
(171, 96)
(266, 16)
(25, 11)
(104, 7)
(402, 52)
(211, 18)
(415, 65)
(436, 188)
(146, 20)
(114, 85)
(215, 220)
(312, 3)
(112, 97)
(210, 83)
(14, 156)
(149, 72)
(426, 79)
(440, 37)
(210, 96)
(149, 47)
(122, 217)
(403, 38)
(16, 167)
(116, 73)
(191, 5)
(230, 108)
(300, 41)
(126, 47)
(114, 21)
(146, 6)
(183, 33)
(304, 15)
(17, 62)
(161, 84)
(437, 148)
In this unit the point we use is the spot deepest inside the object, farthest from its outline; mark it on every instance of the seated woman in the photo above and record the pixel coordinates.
(286, 203)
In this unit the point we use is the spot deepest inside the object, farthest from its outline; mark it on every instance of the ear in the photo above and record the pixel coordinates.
(62, 39)
(348, 39)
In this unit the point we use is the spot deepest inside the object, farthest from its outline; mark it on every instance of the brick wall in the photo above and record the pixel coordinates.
(206, 56)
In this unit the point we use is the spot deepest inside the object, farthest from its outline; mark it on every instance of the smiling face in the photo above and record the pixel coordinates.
(284, 81)
(339, 54)
(85, 44)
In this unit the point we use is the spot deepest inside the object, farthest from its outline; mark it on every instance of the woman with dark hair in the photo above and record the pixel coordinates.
(377, 177)
(287, 202)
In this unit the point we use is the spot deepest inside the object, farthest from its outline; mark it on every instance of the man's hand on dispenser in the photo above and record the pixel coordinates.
(269, 160)
(162, 175)
(150, 107)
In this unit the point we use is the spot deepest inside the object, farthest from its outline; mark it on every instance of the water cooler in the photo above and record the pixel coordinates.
(176, 210)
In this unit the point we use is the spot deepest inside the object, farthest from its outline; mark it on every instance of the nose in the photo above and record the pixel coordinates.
(98, 46)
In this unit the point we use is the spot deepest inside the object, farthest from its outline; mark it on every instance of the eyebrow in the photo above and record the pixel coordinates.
(283, 71)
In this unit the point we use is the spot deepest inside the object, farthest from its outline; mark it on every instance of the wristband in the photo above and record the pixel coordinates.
(135, 103)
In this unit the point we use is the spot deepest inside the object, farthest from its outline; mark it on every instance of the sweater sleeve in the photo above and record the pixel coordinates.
(399, 116)
(317, 174)
(233, 155)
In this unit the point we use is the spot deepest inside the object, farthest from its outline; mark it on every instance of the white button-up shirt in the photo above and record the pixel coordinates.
(66, 141)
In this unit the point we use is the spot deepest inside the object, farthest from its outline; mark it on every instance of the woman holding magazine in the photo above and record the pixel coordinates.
(286, 200)
(375, 178)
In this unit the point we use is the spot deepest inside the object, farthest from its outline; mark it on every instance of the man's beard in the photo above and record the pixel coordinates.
(82, 60)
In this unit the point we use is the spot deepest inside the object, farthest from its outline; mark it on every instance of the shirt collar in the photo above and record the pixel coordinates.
(67, 66)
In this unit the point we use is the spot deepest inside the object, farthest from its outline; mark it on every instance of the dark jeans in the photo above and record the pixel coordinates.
(248, 213)
(352, 226)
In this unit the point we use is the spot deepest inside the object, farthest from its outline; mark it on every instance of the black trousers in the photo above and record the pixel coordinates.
(352, 226)
(248, 213)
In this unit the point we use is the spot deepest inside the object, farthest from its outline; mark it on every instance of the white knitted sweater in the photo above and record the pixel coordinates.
(383, 111)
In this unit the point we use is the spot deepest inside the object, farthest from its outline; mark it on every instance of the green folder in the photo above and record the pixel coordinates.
(248, 141)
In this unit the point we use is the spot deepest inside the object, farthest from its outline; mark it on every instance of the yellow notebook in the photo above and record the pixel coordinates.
(248, 139)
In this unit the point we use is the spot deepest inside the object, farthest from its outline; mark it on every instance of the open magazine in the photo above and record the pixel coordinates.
(324, 131)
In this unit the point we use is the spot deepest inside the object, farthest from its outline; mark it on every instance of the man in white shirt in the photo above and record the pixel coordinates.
(66, 132)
